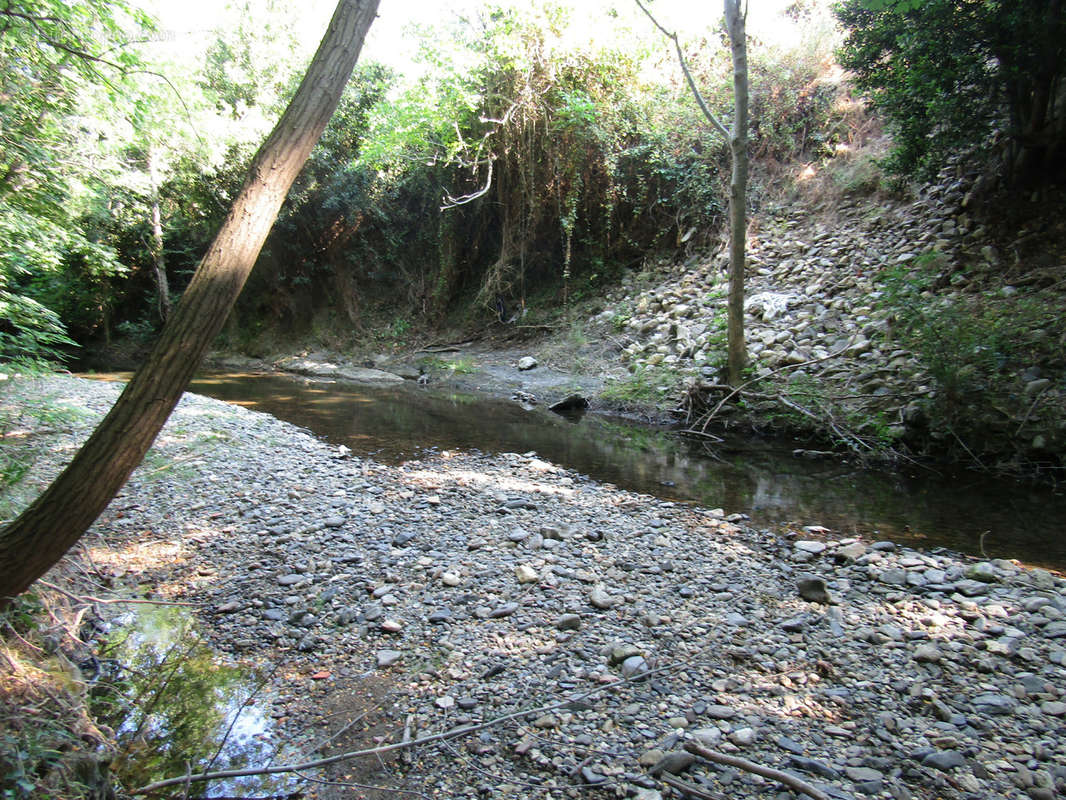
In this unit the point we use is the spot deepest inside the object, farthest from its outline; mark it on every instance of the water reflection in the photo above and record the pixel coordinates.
(770, 484)
(963, 511)
(175, 706)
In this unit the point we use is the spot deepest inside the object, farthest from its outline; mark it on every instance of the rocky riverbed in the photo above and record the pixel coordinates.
(465, 588)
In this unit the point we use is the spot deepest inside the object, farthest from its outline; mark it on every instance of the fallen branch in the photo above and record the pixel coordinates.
(117, 600)
(446, 347)
(1028, 414)
(690, 788)
(980, 465)
(740, 389)
(428, 739)
(789, 780)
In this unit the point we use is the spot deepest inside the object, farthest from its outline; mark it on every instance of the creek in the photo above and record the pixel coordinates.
(962, 511)
(177, 704)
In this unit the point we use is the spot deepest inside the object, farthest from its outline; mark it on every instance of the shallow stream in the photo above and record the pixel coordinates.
(962, 511)
(176, 705)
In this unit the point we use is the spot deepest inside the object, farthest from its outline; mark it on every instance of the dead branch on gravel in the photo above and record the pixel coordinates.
(690, 788)
(89, 599)
(454, 733)
(789, 780)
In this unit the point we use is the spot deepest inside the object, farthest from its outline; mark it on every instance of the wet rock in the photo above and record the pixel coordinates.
(674, 763)
(569, 404)
(813, 589)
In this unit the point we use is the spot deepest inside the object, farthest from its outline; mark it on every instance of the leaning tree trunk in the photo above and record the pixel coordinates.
(737, 353)
(57, 519)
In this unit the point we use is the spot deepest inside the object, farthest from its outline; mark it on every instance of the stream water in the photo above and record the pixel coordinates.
(962, 511)
(176, 705)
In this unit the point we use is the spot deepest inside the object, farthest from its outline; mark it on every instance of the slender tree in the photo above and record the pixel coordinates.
(735, 19)
(35, 541)
(738, 190)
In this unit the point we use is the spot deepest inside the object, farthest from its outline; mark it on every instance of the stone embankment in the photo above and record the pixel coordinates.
(476, 587)
(815, 314)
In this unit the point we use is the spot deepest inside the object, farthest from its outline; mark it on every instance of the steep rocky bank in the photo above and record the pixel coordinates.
(613, 627)
(879, 325)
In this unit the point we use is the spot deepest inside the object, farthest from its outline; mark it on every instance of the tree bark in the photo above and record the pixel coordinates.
(159, 260)
(57, 519)
(737, 353)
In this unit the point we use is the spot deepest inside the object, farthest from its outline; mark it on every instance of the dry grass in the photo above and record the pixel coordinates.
(50, 747)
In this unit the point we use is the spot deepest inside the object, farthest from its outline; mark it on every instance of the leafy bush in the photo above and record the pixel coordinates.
(953, 74)
(974, 345)
(30, 331)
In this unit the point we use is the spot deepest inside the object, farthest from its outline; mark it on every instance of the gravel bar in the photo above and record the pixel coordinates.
(467, 587)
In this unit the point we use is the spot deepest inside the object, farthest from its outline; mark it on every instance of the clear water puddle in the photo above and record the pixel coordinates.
(176, 706)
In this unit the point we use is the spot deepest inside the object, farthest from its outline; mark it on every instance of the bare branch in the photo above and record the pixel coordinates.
(672, 36)
(739, 389)
(115, 600)
(789, 780)
(452, 202)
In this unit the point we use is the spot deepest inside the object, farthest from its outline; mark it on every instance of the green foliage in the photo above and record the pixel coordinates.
(952, 74)
(563, 158)
(461, 366)
(645, 386)
(975, 344)
(458, 366)
(29, 330)
(53, 269)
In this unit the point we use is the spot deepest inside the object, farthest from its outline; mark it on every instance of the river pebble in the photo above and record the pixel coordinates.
(931, 675)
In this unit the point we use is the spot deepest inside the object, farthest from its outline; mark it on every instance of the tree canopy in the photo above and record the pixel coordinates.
(963, 74)
(518, 160)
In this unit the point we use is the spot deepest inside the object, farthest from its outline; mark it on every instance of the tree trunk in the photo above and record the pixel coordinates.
(159, 261)
(737, 353)
(57, 519)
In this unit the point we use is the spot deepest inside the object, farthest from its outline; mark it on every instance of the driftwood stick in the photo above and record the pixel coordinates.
(690, 788)
(428, 739)
(789, 780)
(79, 598)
